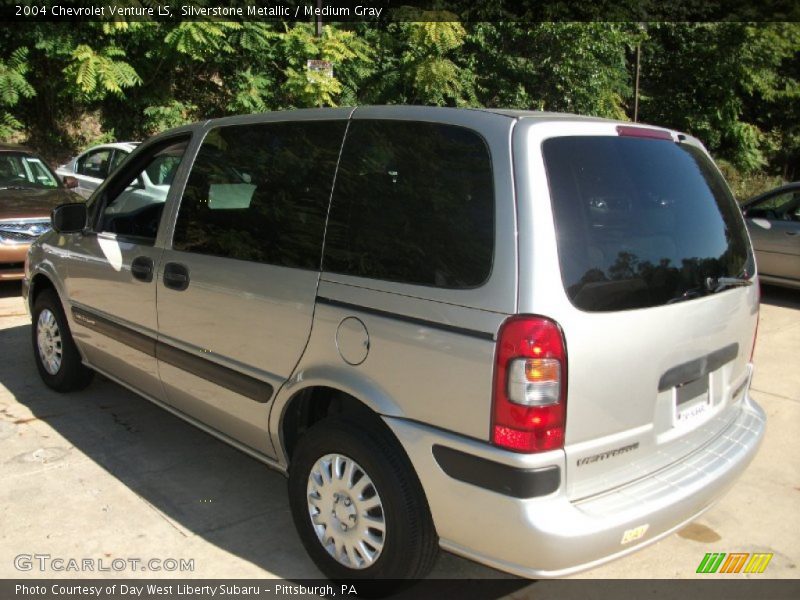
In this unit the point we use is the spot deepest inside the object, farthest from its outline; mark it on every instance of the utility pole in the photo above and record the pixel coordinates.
(636, 89)
(642, 36)
(318, 20)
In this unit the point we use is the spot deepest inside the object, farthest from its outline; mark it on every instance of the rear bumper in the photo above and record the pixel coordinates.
(550, 536)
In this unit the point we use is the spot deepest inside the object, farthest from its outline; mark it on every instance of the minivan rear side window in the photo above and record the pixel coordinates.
(261, 192)
(641, 222)
(413, 203)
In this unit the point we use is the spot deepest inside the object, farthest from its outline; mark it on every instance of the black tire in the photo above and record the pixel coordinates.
(72, 374)
(410, 543)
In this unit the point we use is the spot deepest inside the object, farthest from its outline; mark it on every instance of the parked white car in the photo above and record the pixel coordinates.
(95, 164)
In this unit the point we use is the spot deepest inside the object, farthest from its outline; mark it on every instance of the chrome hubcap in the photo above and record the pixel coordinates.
(48, 341)
(346, 511)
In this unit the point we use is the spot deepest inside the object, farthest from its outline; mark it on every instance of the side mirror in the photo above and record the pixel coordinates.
(69, 218)
(70, 182)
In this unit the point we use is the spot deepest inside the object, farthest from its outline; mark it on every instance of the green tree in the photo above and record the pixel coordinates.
(417, 63)
(573, 67)
(13, 86)
(736, 86)
(733, 85)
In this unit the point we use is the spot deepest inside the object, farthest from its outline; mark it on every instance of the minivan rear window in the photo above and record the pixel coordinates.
(641, 222)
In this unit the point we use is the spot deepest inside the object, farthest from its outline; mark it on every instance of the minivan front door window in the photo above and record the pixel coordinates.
(135, 200)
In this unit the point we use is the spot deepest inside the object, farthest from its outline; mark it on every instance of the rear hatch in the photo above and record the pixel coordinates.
(661, 312)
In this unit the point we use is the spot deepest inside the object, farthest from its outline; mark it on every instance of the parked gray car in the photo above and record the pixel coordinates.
(522, 337)
(773, 219)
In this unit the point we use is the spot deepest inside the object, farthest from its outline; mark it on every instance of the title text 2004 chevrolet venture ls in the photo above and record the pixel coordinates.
(522, 337)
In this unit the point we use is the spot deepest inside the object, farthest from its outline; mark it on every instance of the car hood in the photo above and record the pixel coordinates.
(32, 202)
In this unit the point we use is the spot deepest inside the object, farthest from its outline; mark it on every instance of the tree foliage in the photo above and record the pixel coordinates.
(736, 86)
(13, 86)
(572, 67)
(96, 74)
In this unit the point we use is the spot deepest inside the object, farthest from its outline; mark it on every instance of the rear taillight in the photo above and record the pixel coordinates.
(530, 386)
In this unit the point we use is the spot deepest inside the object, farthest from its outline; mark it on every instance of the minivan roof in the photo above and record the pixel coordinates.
(542, 115)
(418, 110)
(408, 111)
(505, 112)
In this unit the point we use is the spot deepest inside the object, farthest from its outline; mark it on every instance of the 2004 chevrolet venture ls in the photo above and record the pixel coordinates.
(525, 338)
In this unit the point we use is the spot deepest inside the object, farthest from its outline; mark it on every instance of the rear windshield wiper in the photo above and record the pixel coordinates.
(712, 285)
(717, 284)
(689, 294)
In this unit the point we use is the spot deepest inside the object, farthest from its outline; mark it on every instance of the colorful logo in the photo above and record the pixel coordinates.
(735, 562)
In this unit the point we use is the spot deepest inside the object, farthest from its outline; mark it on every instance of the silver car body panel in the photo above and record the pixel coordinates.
(261, 331)
(448, 349)
(423, 359)
(99, 282)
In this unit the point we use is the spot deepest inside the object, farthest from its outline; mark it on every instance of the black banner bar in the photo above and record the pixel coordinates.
(386, 11)
(712, 588)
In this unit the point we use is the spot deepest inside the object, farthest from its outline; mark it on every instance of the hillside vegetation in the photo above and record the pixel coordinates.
(733, 85)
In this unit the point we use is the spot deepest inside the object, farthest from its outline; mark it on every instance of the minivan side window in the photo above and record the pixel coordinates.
(413, 203)
(261, 193)
(133, 202)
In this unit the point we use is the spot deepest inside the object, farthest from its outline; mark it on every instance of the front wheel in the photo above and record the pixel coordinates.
(57, 358)
(358, 506)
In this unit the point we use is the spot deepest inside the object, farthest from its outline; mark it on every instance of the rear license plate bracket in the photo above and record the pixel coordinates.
(692, 401)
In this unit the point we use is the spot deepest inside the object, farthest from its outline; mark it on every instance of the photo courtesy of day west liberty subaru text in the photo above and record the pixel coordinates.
(170, 590)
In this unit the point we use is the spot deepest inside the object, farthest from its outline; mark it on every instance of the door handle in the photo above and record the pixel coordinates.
(176, 276)
(791, 233)
(142, 268)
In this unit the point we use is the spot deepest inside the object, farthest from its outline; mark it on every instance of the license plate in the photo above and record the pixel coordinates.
(692, 401)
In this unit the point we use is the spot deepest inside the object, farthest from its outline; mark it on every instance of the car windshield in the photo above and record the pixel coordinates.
(19, 170)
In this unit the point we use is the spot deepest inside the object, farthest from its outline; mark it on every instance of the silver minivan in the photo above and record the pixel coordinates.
(525, 338)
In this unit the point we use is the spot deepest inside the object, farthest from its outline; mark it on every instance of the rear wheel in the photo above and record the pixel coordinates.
(358, 505)
(57, 358)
